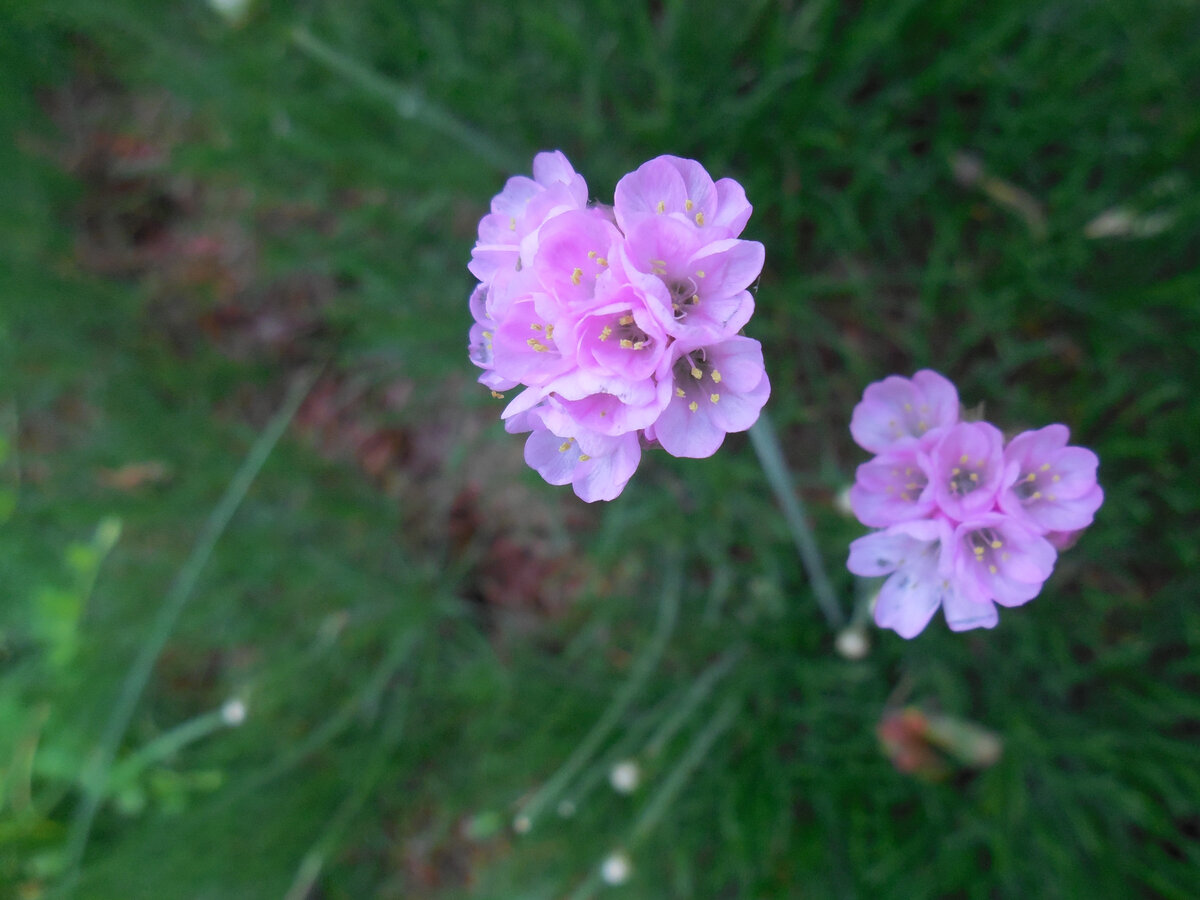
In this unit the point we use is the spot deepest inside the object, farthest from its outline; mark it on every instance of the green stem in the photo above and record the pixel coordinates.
(770, 456)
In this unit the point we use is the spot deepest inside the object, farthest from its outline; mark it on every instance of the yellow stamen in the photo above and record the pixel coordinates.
(497, 395)
(715, 376)
(583, 457)
(537, 345)
(1037, 495)
(565, 446)
(687, 205)
(693, 406)
(591, 254)
(662, 207)
(626, 344)
(975, 476)
(1045, 467)
(696, 373)
(577, 275)
(625, 320)
(535, 326)
(700, 273)
(962, 460)
(1031, 477)
(1056, 478)
(992, 569)
(679, 392)
(714, 397)
(996, 545)
(601, 261)
(699, 218)
(605, 333)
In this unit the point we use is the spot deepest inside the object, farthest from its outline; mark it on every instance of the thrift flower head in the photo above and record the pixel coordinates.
(966, 522)
(617, 326)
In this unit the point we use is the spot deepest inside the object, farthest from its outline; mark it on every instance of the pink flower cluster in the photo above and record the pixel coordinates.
(619, 323)
(966, 521)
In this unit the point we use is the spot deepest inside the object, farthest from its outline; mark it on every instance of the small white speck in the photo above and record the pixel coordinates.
(521, 824)
(852, 643)
(232, 10)
(625, 777)
(233, 713)
(841, 502)
(615, 869)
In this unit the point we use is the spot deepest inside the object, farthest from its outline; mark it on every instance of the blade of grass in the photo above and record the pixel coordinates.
(95, 776)
(326, 845)
(770, 456)
(409, 103)
(658, 804)
(643, 667)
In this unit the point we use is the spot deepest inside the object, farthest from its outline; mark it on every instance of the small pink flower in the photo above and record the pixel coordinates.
(916, 556)
(621, 338)
(899, 411)
(705, 280)
(1052, 487)
(597, 467)
(998, 558)
(894, 487)
(715, 390)
(573, 252)
(520, 209)
(966, 468)
(681, 189)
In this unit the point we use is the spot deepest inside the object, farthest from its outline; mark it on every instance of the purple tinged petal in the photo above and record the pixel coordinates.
(963, 614)
(654, 188)
(880, 553)
(733, 210)
(908, 600)
(605, 474)
(729, 267)
(543, 452)
(737, 411)
(685, 432)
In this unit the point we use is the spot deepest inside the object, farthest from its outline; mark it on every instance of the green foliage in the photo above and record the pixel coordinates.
(1006, 193)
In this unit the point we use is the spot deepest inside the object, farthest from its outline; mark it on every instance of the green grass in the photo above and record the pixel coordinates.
(926, 179)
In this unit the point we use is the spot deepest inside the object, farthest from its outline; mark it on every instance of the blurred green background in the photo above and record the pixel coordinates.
(239, 231)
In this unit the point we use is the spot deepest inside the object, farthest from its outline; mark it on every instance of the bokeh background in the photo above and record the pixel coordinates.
(234, 239)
